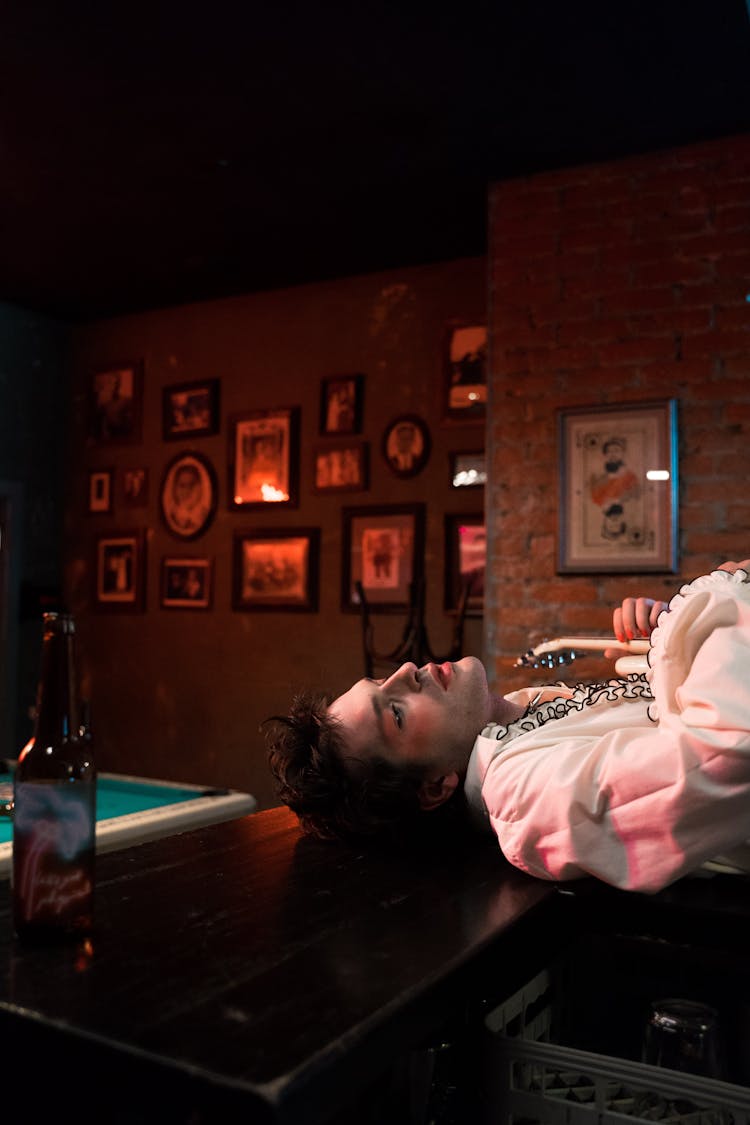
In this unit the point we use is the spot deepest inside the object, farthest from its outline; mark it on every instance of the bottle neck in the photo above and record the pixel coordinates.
(57, 718)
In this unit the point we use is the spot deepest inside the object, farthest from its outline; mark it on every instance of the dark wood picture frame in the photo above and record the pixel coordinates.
(618, 499)
(188, 495)
(134, 487)
(120, 572)
(383, 548)
(341, 404)
(276, 570)
(465, 365)
(186, 583)
(341, 466)
(406, 445)
(264, 459)
(116, 403)
(465, 560)
(100, 499)
(190, 410)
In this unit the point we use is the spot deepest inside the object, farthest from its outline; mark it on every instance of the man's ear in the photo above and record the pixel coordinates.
(435, 791)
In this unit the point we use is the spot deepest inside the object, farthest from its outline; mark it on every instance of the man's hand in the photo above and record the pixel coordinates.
(732, 567)
(636, 617)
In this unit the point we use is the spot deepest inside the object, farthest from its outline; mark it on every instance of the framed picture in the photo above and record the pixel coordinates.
(135, 488)
(465, 556)
(618, 488)
(466, 371)
(190, 410)
(100, 490)
(115, 403)
(120, 572)
(340, 467)
(264, 459)
(341, 404)
(276, 569)
(468, 470)
(383, 548)
(406, 445)
(188, 495)
(186, 583)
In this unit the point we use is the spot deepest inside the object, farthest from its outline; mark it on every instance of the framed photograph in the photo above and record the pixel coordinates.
(115, 403)
(264, 459)
(100, 490)
(341, 404)
(406, 445)
(465, 557)
(190, 410)
(466, 371)
(120, 572)
(383, 548)
(186, 583)
(618, 488)
(340, 467)
(134, 488)
(468, 470)
(276, 569)
(188, 495)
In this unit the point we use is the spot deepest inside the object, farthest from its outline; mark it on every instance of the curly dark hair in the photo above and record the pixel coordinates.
(335, 795)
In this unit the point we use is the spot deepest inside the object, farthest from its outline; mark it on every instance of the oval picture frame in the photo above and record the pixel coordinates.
(406, 445)
(188, 495)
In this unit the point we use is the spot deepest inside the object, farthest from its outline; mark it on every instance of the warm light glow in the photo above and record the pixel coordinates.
(268, 492)
(467, 477)
(472, 395)
(657, 474)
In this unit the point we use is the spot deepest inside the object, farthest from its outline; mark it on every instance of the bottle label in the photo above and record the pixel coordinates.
(53, 848)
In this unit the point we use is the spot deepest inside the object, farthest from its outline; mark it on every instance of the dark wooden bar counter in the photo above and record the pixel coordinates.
(243, 971)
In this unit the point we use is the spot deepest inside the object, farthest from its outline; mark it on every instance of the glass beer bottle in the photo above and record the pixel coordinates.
(54, 817)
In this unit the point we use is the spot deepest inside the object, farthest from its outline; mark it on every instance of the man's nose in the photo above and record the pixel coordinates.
(406, 675)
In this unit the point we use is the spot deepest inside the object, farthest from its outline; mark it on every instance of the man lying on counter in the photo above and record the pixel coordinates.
(636, 781)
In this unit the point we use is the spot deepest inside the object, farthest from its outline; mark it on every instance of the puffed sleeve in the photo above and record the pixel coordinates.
(641, 804)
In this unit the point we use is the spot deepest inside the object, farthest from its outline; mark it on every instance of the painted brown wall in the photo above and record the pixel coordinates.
(181, 694)
(614, 283)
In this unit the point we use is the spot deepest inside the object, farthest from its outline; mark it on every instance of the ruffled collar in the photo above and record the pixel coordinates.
(544, 708)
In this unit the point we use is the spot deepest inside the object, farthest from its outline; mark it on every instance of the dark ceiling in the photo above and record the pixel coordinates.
(197, 152)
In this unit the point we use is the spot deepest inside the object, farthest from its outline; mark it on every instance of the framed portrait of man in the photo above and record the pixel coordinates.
(188, 495)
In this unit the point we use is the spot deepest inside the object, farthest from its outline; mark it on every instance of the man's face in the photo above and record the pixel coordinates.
(186, 484)
(428, 716)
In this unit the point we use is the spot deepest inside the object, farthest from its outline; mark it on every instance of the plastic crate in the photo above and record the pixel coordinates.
(532, 1081)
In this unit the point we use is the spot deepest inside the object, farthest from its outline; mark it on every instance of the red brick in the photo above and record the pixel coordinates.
(735, 217)
(679, 373)
(672, 271)
(738, 517)
(727, 319)
(720, 545)
(720, 390)
(723, 292)
(677, 227)
(631, 351)
(697, 465)
(737, 413)
(638, 300)
(711, 245)
(565, 308)
(716, 343)
(736, 366)
(732, 466)
(693, 289)
(734, 192)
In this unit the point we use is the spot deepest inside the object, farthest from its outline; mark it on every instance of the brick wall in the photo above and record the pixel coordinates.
(614, 283)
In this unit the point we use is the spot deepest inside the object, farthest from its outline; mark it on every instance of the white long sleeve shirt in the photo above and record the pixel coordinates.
(635, 781)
